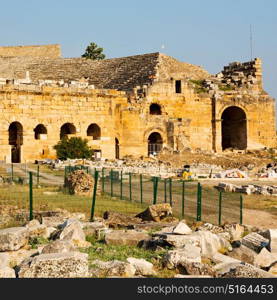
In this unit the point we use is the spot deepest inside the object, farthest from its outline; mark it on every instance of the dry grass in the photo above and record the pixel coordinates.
(18, 195)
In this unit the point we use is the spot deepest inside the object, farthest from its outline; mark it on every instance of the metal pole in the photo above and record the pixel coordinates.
(241, 209)
(219, 208)
(170, 191)
(183, 198)
(199, 202)
(12, 171)
(38, 175)
(111, 177)
(155, 189)
(130, 186)
(65, 173)
(94, 196)
(103, 180)
(141, 189)
(31, 195)
(121, 185)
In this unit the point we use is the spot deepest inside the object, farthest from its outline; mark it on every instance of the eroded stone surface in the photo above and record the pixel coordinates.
(14, 238)
(57, 265)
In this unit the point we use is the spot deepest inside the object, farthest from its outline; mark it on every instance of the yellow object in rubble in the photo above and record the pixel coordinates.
(187, 175)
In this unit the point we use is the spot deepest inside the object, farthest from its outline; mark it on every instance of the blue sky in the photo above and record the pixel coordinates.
(207, 33)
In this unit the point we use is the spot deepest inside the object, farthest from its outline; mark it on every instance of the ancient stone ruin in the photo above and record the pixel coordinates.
(138, 105)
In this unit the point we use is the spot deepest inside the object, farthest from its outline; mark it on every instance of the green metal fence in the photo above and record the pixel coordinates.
(189, 199)
(117, 191)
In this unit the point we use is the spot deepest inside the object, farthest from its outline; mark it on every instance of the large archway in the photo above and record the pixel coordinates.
(155, 143)
(16, 141)
(234, 128)
(94, 131)
(67, 129)
(40, 132)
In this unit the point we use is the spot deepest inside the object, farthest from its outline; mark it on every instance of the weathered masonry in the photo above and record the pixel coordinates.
(137, 105)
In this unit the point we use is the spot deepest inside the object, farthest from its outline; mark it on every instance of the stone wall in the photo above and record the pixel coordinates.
(46, 51)
(52, 107)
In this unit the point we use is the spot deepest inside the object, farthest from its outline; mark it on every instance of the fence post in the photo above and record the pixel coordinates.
(111, 178)
(199, 202)
(65, 174)
(219, 208)
(12, 171)
(141, 188)
(94, 196)
(183, 198)
(31, 195)
(165, 195)
(38, 175)
(241, 209)
(130, 186)
(103, 180)
(121, 185)
(155, 189)
(170, 191)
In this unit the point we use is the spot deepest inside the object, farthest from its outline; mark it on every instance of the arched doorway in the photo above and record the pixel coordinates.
(16, 141)
(234, 128)
(155, 143)
(67, 129)
(94, 131)
(116, 148)
(40, 132)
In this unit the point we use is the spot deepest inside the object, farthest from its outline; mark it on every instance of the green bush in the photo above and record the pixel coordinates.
(72, 148)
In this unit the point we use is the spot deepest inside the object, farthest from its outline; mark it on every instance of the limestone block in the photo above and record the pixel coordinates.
(255, 241)
(58, 246)
(56, 265)
(142, 266)
(182, 228)
(112, 268)
(13, 238)
(128, 237)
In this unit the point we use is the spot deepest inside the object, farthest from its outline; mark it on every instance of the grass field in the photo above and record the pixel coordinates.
(51, 198)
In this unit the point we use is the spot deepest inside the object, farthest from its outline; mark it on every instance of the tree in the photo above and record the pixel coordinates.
(94, 52)
(75, 147)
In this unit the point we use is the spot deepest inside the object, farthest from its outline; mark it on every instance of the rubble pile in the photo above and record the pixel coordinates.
(79, 183)
(200, 250)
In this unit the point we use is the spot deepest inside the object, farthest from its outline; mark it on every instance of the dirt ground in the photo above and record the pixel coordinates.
(259, 218)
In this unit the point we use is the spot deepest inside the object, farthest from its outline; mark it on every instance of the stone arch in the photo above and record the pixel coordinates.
(155, 143)
(16, 141)
(67, 129)
(234, 128)
(155, 109)
(40, 132)
(94, 131)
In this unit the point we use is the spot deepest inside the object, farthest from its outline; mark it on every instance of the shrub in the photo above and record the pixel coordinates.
(72, 148)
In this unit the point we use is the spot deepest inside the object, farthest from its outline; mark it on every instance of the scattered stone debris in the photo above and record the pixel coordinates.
(201, 250)
(248, 189)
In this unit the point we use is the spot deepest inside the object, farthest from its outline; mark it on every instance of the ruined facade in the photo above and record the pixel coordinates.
(137, 105)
